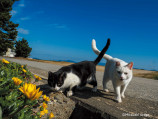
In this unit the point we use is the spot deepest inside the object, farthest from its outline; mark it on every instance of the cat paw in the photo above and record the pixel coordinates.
(69, 93)
(106, 90)
(123, 96)
(119, 100)
(61, 91)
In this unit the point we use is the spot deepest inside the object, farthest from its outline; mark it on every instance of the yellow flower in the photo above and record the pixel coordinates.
(5, 61)
(45, 105)
(42, 113)
(51, 115)
(24, 70)
(37, 77)
(30, 91)
(22, 66)
(45, 111)
(16, 81)
(46, 98)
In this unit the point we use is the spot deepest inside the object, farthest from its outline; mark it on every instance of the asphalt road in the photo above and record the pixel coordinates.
(138, 87)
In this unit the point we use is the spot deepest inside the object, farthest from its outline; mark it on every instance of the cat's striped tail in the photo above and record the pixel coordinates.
(95, 49)
(101, 54)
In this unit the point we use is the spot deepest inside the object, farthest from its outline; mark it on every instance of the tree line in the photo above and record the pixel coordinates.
(8, 32)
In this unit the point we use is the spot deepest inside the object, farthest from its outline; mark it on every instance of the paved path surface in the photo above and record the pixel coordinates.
(141, 95)
(139, 87)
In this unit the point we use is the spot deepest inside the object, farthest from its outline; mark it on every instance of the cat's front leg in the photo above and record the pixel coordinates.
(123, 88)
(118, 96)
(62, 90)
(71, 89)
(69, 93)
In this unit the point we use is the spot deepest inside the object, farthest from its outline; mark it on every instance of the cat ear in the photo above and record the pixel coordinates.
(50, 74)
(117, 64)
(62, 76)
(130, 65)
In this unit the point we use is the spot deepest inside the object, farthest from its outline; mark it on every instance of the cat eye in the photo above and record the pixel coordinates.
(125, 73)
(119, 72)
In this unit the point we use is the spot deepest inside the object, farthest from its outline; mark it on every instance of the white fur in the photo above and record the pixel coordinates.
(70, 81)
(111, 73)
(89, 79)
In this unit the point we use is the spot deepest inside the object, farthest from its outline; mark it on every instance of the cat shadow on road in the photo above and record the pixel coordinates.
(85, 93)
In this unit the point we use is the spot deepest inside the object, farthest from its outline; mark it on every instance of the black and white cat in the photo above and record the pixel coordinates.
(119, 71)
(76, 75)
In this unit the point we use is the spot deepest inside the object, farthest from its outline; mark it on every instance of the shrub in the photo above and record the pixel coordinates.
(156, 77)
(22, 48)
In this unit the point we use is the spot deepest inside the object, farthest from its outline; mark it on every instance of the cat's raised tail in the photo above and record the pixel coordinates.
(101, 54)
(95, 49)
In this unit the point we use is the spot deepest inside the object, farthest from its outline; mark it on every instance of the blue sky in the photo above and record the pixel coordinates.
(64, 29)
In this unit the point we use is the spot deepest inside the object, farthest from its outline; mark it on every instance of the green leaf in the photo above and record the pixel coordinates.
(0, 112)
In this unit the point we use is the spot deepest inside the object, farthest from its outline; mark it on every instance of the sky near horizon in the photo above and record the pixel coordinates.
(64, 29)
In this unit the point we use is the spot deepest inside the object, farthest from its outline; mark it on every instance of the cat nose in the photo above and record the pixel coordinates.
(121, 78)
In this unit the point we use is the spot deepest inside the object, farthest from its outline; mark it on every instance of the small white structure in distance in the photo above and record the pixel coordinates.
(10, 53)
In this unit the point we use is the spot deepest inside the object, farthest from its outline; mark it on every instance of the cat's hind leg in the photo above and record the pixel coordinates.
(80, 88)
(105, 81)
(94, 83)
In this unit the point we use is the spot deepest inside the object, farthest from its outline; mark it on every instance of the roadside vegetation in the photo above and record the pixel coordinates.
(19, 98)
(151, 75)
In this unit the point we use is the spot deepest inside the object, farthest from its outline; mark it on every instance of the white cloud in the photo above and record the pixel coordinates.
(18, 38)
(21, 5)
(59, 26)
(25, 18)
(17, 9)
(23, 31)
(13, 12)
(39, 12)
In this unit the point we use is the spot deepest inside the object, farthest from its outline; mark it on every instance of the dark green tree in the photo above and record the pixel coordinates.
(22, 48)
(8, 31)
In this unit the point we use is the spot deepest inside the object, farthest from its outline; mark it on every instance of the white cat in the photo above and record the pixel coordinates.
(116, 70)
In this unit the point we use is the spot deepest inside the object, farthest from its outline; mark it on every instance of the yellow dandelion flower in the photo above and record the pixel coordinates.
(16, 81)
(44, 105)
(22, 66)
(46, 98)
(5, 61)
(24, 70)
(51, 115)
(37, 77)
(30, 91)
(42, 113)
(45, 111)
